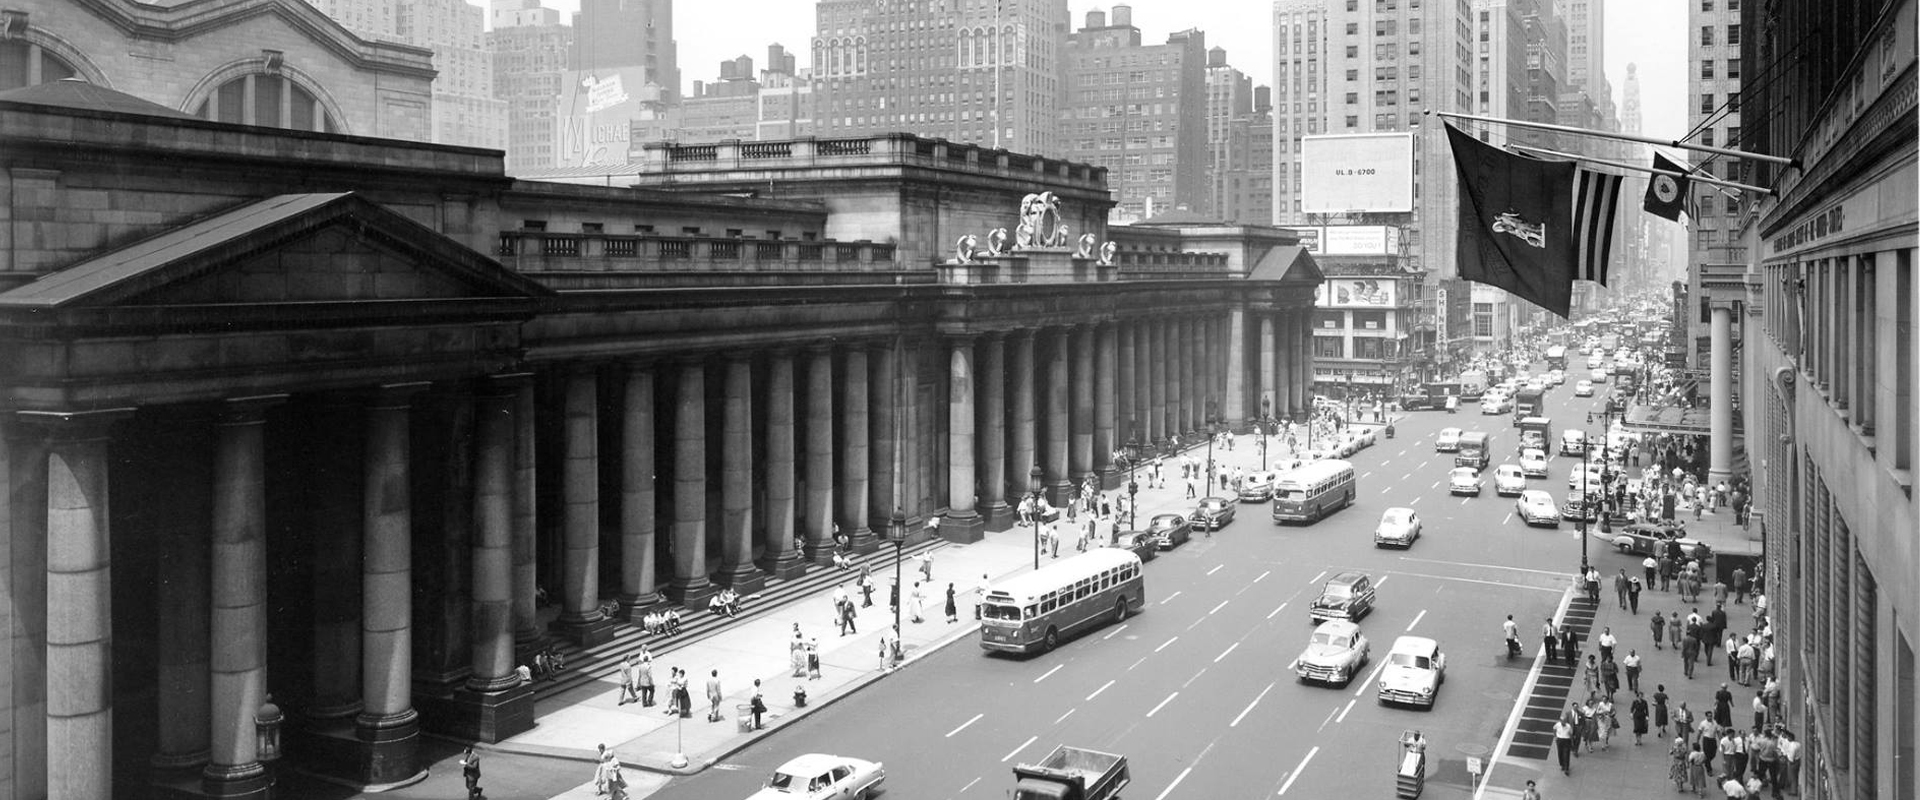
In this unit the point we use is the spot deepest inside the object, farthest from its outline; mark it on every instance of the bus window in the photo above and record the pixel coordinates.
(997, 611)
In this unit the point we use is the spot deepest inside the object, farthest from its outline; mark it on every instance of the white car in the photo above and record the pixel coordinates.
(1399, 526)
(1495, 404)
(1508, 480)
(1597, 375)
(1413, 673)
(1536, 507)
(1257, 487)
(1587, 479)
(822, 777)
(1533, 463)
(1448, 441)
(1464, 480)
(1556, 377)
(1583, 389)
(1573, 442)
(1336, 653)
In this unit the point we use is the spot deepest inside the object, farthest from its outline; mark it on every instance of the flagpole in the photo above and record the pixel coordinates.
(1639, 168)
(1625, 137)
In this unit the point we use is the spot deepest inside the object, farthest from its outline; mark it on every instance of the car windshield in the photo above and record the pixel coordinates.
(1396, 517)
(1463, 474)
(1409, 660)
(1337, 590)
(786, 782)
(1333, 639)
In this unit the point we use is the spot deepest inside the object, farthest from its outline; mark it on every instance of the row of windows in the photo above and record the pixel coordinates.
(1707, 68)
(1086, 587)
(1707, 35)
(1707, 105)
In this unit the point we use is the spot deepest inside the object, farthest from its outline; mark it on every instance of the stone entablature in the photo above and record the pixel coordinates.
(901, 149)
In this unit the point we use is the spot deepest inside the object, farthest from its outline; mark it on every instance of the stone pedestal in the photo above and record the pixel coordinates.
(963, 530)
(480, 716)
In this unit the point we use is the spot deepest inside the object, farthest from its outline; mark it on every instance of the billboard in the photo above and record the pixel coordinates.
(593, 123)
(1360, 240)
(1359, 172)
(1355, 293)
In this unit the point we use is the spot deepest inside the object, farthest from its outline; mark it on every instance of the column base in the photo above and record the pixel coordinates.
(634, 607)
(1058, 494)
(586, 632)
(963, 530)
(862, 540)
(817, 552)
(365, 752)
(248, 781)
(693, 594)
(998, 515)
(743, 578)
(785, 567)
(481, 717)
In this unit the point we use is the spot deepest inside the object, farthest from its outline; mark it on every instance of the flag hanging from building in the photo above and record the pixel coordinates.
(1596, 198)
(1667, 193)
(1516, 222)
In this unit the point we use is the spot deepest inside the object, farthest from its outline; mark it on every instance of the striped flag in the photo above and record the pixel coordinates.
(1595, 200)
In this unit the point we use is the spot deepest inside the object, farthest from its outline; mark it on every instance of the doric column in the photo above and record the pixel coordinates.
(491, 658)
(1192, 394)
(962, 523)
(239, 601)
(992, 378)
(1273, 365)
(387, 722)
(1237, 409)
(334, 519)
(1080, 346)
(639, 496)
(1720, 394)
(1160, 409)
(79, 616)
(580, 617)
(1141, 422)
(819, 504)
(778, 556)
(690, 586)
(1105, 358)
(23, 513)
(1025, 455)
(885, 415)
(527, 634)
(736, 476)
(853, 451)
(1126, 412)
(183, 482)
(1300, 349)
(1059, 477)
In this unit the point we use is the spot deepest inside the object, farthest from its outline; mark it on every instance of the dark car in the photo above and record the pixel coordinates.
(1347, 595)
(1141, 543)
(1651, 539)
(1579, 506)
(1170, 530)
(1213, 513)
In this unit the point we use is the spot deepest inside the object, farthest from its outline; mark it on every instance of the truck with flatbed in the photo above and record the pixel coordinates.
(1072, 773)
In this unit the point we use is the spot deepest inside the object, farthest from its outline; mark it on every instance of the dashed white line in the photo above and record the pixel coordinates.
(1383, 579)
(1249, 708)
(963, 725)
(1176, 782)
(1263, 575)
(1343, 712)
(1371, 676)
(1436, 484)
(1416, 619)
(1062, 717)
(1215, 569)
(1141, 660)
(1223, 653)
(1114, 632)
(1367, 474)
(1194, 677)
(1463, 500)
(1508, 519)
(1276, 612)
(1163, 704)
(1163, 645)
(1043, 676)
(1216, 609)
(1096, 692)
(1297, 770)
(963, 789)
(1016, 751)
(1316, 578)
(1323, 723)
(1169, 598)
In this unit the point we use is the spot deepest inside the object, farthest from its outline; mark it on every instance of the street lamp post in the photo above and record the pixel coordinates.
(1135, 449)
(1349, 397)
(1033, 509)
(897, 533)
(1586, 499)
(1266, 420)
(1212, 433)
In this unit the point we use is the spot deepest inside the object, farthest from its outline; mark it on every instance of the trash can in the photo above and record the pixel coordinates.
(744, 716)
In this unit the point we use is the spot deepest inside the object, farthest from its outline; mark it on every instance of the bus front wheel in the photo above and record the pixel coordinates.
(1120, 610)
(1052, 640)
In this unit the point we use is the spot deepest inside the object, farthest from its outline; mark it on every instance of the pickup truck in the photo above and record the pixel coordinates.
(1071, 773)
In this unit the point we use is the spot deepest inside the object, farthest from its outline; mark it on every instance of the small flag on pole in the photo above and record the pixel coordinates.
(1595, 196)
(1669, 192)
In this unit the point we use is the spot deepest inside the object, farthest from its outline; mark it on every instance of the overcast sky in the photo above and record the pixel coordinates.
(710, 31)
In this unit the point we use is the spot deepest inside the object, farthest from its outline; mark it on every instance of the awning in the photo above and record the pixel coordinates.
(1673, 418)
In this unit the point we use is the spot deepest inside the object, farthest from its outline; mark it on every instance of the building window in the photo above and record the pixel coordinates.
(1733, 102)
(1706, 5)
(1329, 347)
(1353, 51)
(15, 56)
(1353, 29)
(1353, 122)
(1733, 68)
(1706, 103)
(1706, 36)
(1733, 34)
(1706, 68)
(1706, 137)
(302, 111)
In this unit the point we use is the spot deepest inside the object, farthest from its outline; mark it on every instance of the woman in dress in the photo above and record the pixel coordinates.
(1697, 769)
(953, 609)
(1660, 709)
(1677, 771)
(1639, 713)
(797, 652)
(917, 602)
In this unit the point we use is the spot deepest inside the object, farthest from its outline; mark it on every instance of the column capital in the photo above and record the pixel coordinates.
(73, 426)
(246, 410)
(396, 395)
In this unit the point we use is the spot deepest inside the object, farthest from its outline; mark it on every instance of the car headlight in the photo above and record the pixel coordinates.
(1426, 690)
(1383, 686)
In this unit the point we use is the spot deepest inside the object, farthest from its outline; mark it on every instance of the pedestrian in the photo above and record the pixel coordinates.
(980, 594)
(1651, 567)
(953, 608)
(1739, 585)
(1748, 653)
(1720, 593)
(602, 771)
(1660, 713)
(1563, 741)
(1592, 676)
(1733, 658)
(1723, 707)
(1607, 643)
(1639, 712)
(1620, 587)
(714, 696)
(1765, 746)
(644, 671)
(1530, 793)
(1589, 726)
(1689, 653)
(1512, 631)
(813, 659)
(866, 590)
(1666, 573)
(1610, 677)
(683, 692)
(1192, 488)
(917, 601)
(1631, 664)
(1659, 626)
(1697, 760)
(1053, 538)
(1677, 765)
(1759, 712)
(1789, 763)
(1570, 642)
(1604, 721)
(887, 649)
(629, 681)
(797, 653)
(757, 704)
(1550, 639)
(847, 625)
(1633, 595)
(470, 769)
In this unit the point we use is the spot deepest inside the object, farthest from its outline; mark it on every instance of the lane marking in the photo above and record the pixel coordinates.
(1323, 723)
(1263, 575)
(1169, 598)
(1163, 704)
(1416, 620)
(1383, 579)
(1297, 770)
(1115, 631)
(1176, 782)
(1223, 604)
(1163, 645)
(1223, 653)
(1343, 712)
(1371, 677)
(1463, 500)
(963, 725)
(1485, 566)
(1436, 484)
(1477, 580)
(1096, 692)
(1016, 751)
(1136, 663)
(1056, 668)
(963, 789)
(1215, 569)
(1196, 676)
(1316, 578)
(1062, 717)
(1403, 451)
(1367, 474)
(1283, 607)
(1294, 663)
(1508, 519)
(1256, 701)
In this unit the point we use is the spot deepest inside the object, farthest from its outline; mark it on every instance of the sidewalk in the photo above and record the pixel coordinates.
(1625, 770)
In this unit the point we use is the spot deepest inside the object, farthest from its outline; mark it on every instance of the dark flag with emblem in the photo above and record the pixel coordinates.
(1516, 222)
(1595, 199)
(1667, 190)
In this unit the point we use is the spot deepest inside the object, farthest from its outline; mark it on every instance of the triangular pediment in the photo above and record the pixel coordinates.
(1289, 264)
(304, 248)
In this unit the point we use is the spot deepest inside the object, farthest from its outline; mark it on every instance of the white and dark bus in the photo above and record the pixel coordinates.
(1313, 491)
(1033, 611)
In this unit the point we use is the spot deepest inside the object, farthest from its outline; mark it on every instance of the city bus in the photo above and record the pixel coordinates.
(1032, 611)
(1310, 493)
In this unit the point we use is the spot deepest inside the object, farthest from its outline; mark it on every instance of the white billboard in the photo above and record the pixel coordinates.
(1357, 172)
(1355, 293)
(1360, 240)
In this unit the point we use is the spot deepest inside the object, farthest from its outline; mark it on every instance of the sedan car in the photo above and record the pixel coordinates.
(1170, 530)
(1367, 437)
(1583, 389)
(1347, 595)
(1495, 404)
(1533, 463)
(1573, 442)
(1336, 653)
(1399, 526)
(1213, 513)
(822, 777)
(1509, 480)
(1597, 375)
(1142, 543)
(1448, 441)
(1585, 478)
(1556, 378)
(1414, 671)
(1644, 539)
(1464, 480)
(1536, 507)
(1257, 487)
(1578, 507)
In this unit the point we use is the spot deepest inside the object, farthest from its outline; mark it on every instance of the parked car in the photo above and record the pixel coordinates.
(1257, 487)
(1213, 513)
(1368, 436)
(1536, 507)
(822, 777)
(1347, 595)
(1399, 526)
(1170, 530)
(1533, 463)
(1464, 480)
(1336, 653)
(1583, 389)
(1414, 671)
(1448, 441)
(1508, 480)
(1142, 543)
(1647, 539)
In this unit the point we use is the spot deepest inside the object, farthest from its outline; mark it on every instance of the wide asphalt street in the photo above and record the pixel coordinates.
(1197, 691)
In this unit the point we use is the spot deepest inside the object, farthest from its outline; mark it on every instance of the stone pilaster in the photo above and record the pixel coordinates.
(1238, 409)
(886, 415)
(527, 635)
(1080, 424)
(1104, 407)
(183, 482)
(1058, 466)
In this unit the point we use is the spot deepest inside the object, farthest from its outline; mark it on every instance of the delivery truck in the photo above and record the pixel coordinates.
(1072, 773)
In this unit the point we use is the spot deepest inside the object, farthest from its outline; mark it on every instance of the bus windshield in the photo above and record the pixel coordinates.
(1000, 612)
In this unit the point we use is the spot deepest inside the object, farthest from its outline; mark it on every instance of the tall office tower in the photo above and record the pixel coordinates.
(1139, 110)
(1713, 109)
(464, 109)
(986, 72)
(1586, 24)
(611, 34)
(368, 19)
(1229, 112)
(531, 52)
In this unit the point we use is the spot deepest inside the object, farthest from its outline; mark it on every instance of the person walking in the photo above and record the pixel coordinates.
(470, 770)
(953, 608)
(1697, 769)
(1789, 763)
(643, 674)
(1689, 653)
(1550, 640)
(917, 602)
(1570, 643)
(684, 692)
(1666, 573)
(1739, 585)
(714, 695)
(1631, 664)
(1660, 713)
(1732, 646)
(1563, 741)
(1591, 674)
(1723, 707)
(602, 771)
(1633, 595)
(1620, 587)
(1677, 763)
(1659, 625)
(1512, 631)
(1746, 661)
(980, 594)
(866, 590)
(1604, 722)
(1638, 712)
(797, 653)
(757, 704)
(1610, 677)
(1651, 568)
(629, 681)
(1607, 642)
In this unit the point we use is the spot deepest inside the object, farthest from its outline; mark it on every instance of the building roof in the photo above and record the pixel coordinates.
(77, 93)
(1281, 263)
(1181, 217)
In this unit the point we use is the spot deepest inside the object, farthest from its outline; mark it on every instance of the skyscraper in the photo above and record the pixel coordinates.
(942, 68)
(610, 34)
(1139, 110)
(464, 109)
(1229, 109)
(1713, 109)
(531, 52)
